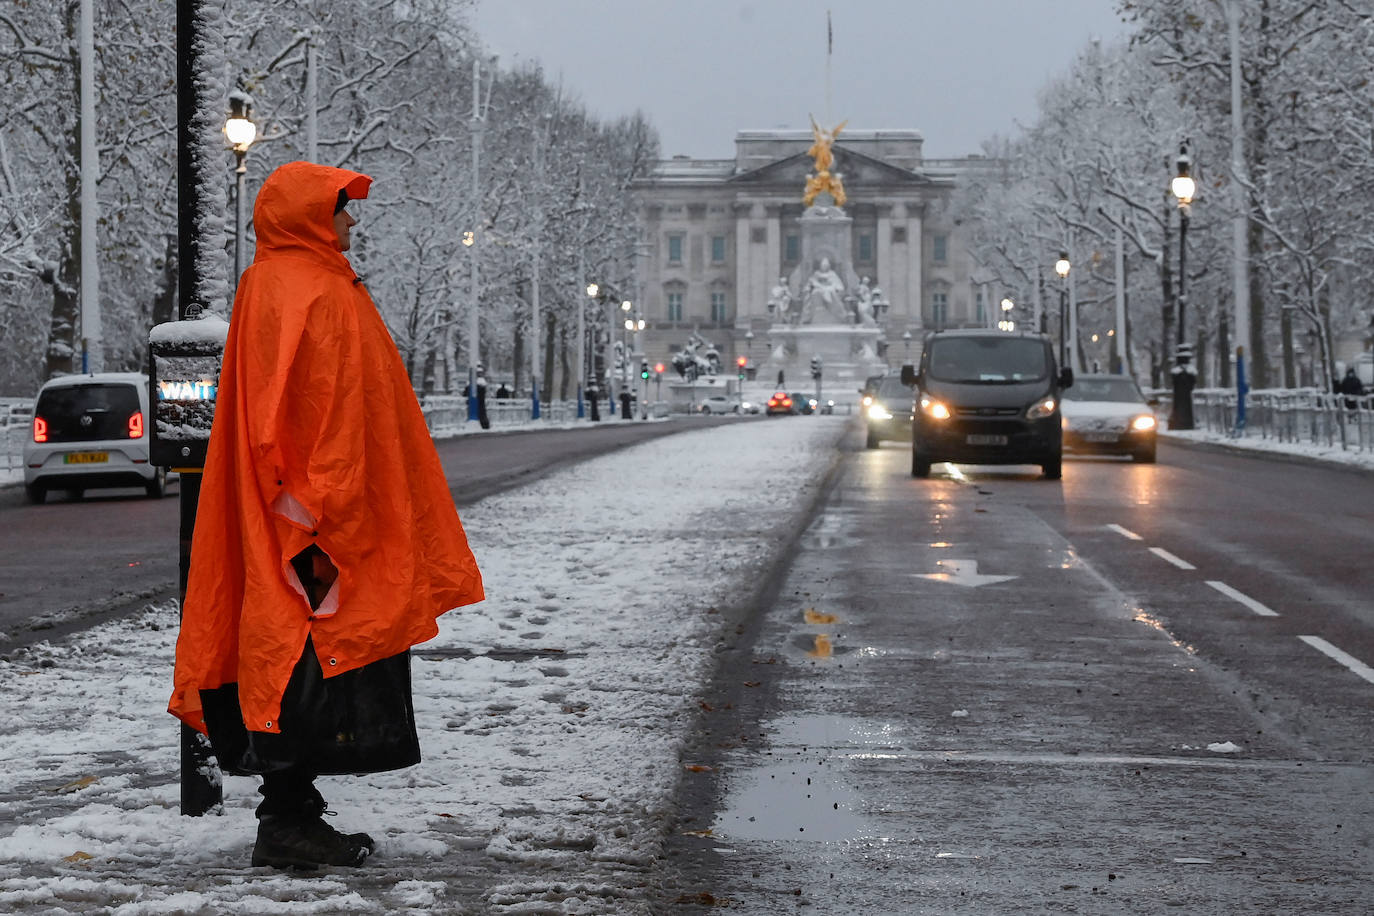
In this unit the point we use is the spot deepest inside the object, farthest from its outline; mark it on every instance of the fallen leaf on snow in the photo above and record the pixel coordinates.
(705, 832)
(77, 784)
(698, 768)
(814, 616)
(78, 856)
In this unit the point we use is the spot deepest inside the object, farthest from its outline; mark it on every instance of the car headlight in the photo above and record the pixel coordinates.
(1041, 409)
(933, 408)
(877, 411)
(1143, 422)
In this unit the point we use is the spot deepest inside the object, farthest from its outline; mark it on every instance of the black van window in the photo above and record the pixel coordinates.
(988, 359)
(85, 413)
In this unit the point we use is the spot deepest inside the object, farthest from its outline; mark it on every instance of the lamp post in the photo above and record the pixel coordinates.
(906, 345)
(1183, 188)
(240, 131)
(1006, 323)
(592, 290)
(1062, 267)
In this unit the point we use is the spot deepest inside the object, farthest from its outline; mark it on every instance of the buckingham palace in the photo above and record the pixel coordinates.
(724, 239)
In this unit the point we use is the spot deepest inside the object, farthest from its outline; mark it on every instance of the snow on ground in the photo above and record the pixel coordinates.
(1327, 454)
(550, 757)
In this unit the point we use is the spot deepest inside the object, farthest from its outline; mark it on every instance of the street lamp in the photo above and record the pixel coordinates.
(240, 131)
(1006, 324)
(1062, 267)
(906, 345)
(1183, 188)
(592, 290)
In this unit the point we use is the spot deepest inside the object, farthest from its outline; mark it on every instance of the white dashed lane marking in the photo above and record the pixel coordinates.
(1165, 555)
(1243, 598)
(1125, 532)
(1345, 658)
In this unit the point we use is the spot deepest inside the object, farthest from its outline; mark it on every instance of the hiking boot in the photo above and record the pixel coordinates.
(315, 808)
(285, 842)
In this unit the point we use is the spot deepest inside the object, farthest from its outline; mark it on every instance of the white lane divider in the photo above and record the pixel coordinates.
(1345, 658)
(1125, 532)
(1165, 555)
(1243, 598)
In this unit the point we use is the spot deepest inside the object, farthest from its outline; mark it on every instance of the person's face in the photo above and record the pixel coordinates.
(343, 221)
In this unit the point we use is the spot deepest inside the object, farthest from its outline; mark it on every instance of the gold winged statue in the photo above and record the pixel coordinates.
(822, 180)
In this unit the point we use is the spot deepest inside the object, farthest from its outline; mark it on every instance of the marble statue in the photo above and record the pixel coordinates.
(863, 306)
(824, 290)
(780, 302)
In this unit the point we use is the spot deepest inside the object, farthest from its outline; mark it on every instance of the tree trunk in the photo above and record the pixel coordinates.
(550, 331)
(1258, 168)
(565, 362)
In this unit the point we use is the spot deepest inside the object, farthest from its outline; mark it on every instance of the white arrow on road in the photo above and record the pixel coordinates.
(962, 572)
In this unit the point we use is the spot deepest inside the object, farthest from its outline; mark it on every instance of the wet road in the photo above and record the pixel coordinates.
(71, 563)
(1137, 691)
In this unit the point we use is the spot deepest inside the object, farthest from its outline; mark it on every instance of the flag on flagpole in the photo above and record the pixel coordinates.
(829, 34)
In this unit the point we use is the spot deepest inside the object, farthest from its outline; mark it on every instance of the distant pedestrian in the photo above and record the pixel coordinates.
(502, 391)
(326, 544)
(1350, 385)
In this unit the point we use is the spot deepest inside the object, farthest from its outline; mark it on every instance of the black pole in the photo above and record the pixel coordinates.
(1181, 413)
(200, 777)
(1063, 320)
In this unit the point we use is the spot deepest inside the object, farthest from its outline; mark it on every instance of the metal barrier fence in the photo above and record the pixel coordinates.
(1298, 415)
(446, 413)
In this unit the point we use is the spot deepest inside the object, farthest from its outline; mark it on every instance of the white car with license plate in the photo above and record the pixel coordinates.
(1107, 414)
(90, 431)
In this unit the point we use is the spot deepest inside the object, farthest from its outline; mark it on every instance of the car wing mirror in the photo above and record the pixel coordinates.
(1066, 377)
(908, 375)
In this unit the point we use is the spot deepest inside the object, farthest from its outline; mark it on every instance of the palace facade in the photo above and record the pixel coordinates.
(717, 234)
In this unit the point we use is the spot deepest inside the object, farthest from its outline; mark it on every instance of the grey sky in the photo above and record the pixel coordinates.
(957, 70)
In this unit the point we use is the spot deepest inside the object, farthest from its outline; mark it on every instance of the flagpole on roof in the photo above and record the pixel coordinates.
(829, 49)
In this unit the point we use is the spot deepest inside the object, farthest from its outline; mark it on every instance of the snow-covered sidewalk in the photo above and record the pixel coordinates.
(1254, 443)
(552, 716)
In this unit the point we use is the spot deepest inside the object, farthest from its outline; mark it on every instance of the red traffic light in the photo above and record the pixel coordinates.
(658, 367)
(741, 360)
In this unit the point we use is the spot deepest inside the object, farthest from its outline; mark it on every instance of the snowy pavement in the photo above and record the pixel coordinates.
(552, 716)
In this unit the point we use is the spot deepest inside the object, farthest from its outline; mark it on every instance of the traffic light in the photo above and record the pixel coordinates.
(658, 368)
(815, 367)
(740, 361)
(644, 369)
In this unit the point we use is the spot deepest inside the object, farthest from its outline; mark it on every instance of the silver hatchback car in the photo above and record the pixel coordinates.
(90, 431)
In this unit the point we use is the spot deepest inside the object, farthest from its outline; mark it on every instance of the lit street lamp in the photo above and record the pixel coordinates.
(1062, 267)
(1007, 324)
(1183, 187)
(240, 131)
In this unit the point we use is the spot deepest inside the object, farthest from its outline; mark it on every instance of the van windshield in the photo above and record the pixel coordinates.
(992, 360)
(85, 413)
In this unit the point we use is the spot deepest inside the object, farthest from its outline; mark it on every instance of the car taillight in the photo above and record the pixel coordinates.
(786, 402)
(40, 429)
(136, 425)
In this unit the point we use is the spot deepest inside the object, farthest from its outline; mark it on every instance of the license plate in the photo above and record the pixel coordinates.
(86, 458)
(985, 439)
(1100, 437)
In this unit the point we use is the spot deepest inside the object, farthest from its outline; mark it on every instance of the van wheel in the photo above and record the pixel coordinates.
(920, 464)
(872, 441)
(75, 493)
(156, 487)
(36, 493)
(1054, 470)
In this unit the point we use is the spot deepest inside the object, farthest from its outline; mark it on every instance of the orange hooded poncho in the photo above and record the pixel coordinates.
(317, 439)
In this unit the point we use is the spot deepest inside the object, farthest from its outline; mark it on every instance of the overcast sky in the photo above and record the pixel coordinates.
(959, 71)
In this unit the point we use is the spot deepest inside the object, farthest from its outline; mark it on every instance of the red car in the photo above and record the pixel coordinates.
(780, 403)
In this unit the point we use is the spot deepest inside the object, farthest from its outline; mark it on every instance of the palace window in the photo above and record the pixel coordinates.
(675, 306)
(865, 248)
(717, 249)
(982, 317)
(792, 249)
(939, 310)
(675, 249)
(940, 248)
(718, 308)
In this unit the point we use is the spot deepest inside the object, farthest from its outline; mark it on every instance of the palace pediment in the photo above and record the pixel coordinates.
(855, 169)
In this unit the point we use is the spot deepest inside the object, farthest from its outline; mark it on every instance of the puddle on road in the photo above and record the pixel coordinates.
(802, 792)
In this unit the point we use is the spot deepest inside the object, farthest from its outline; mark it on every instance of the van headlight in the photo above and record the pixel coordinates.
(877, 411)
(933, 408)
(1041, 409)
(1143, 422)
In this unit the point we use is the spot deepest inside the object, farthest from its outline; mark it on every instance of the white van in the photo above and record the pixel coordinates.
(90, 431)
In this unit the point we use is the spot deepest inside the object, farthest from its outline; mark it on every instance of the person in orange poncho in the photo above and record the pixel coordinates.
(326, 542)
